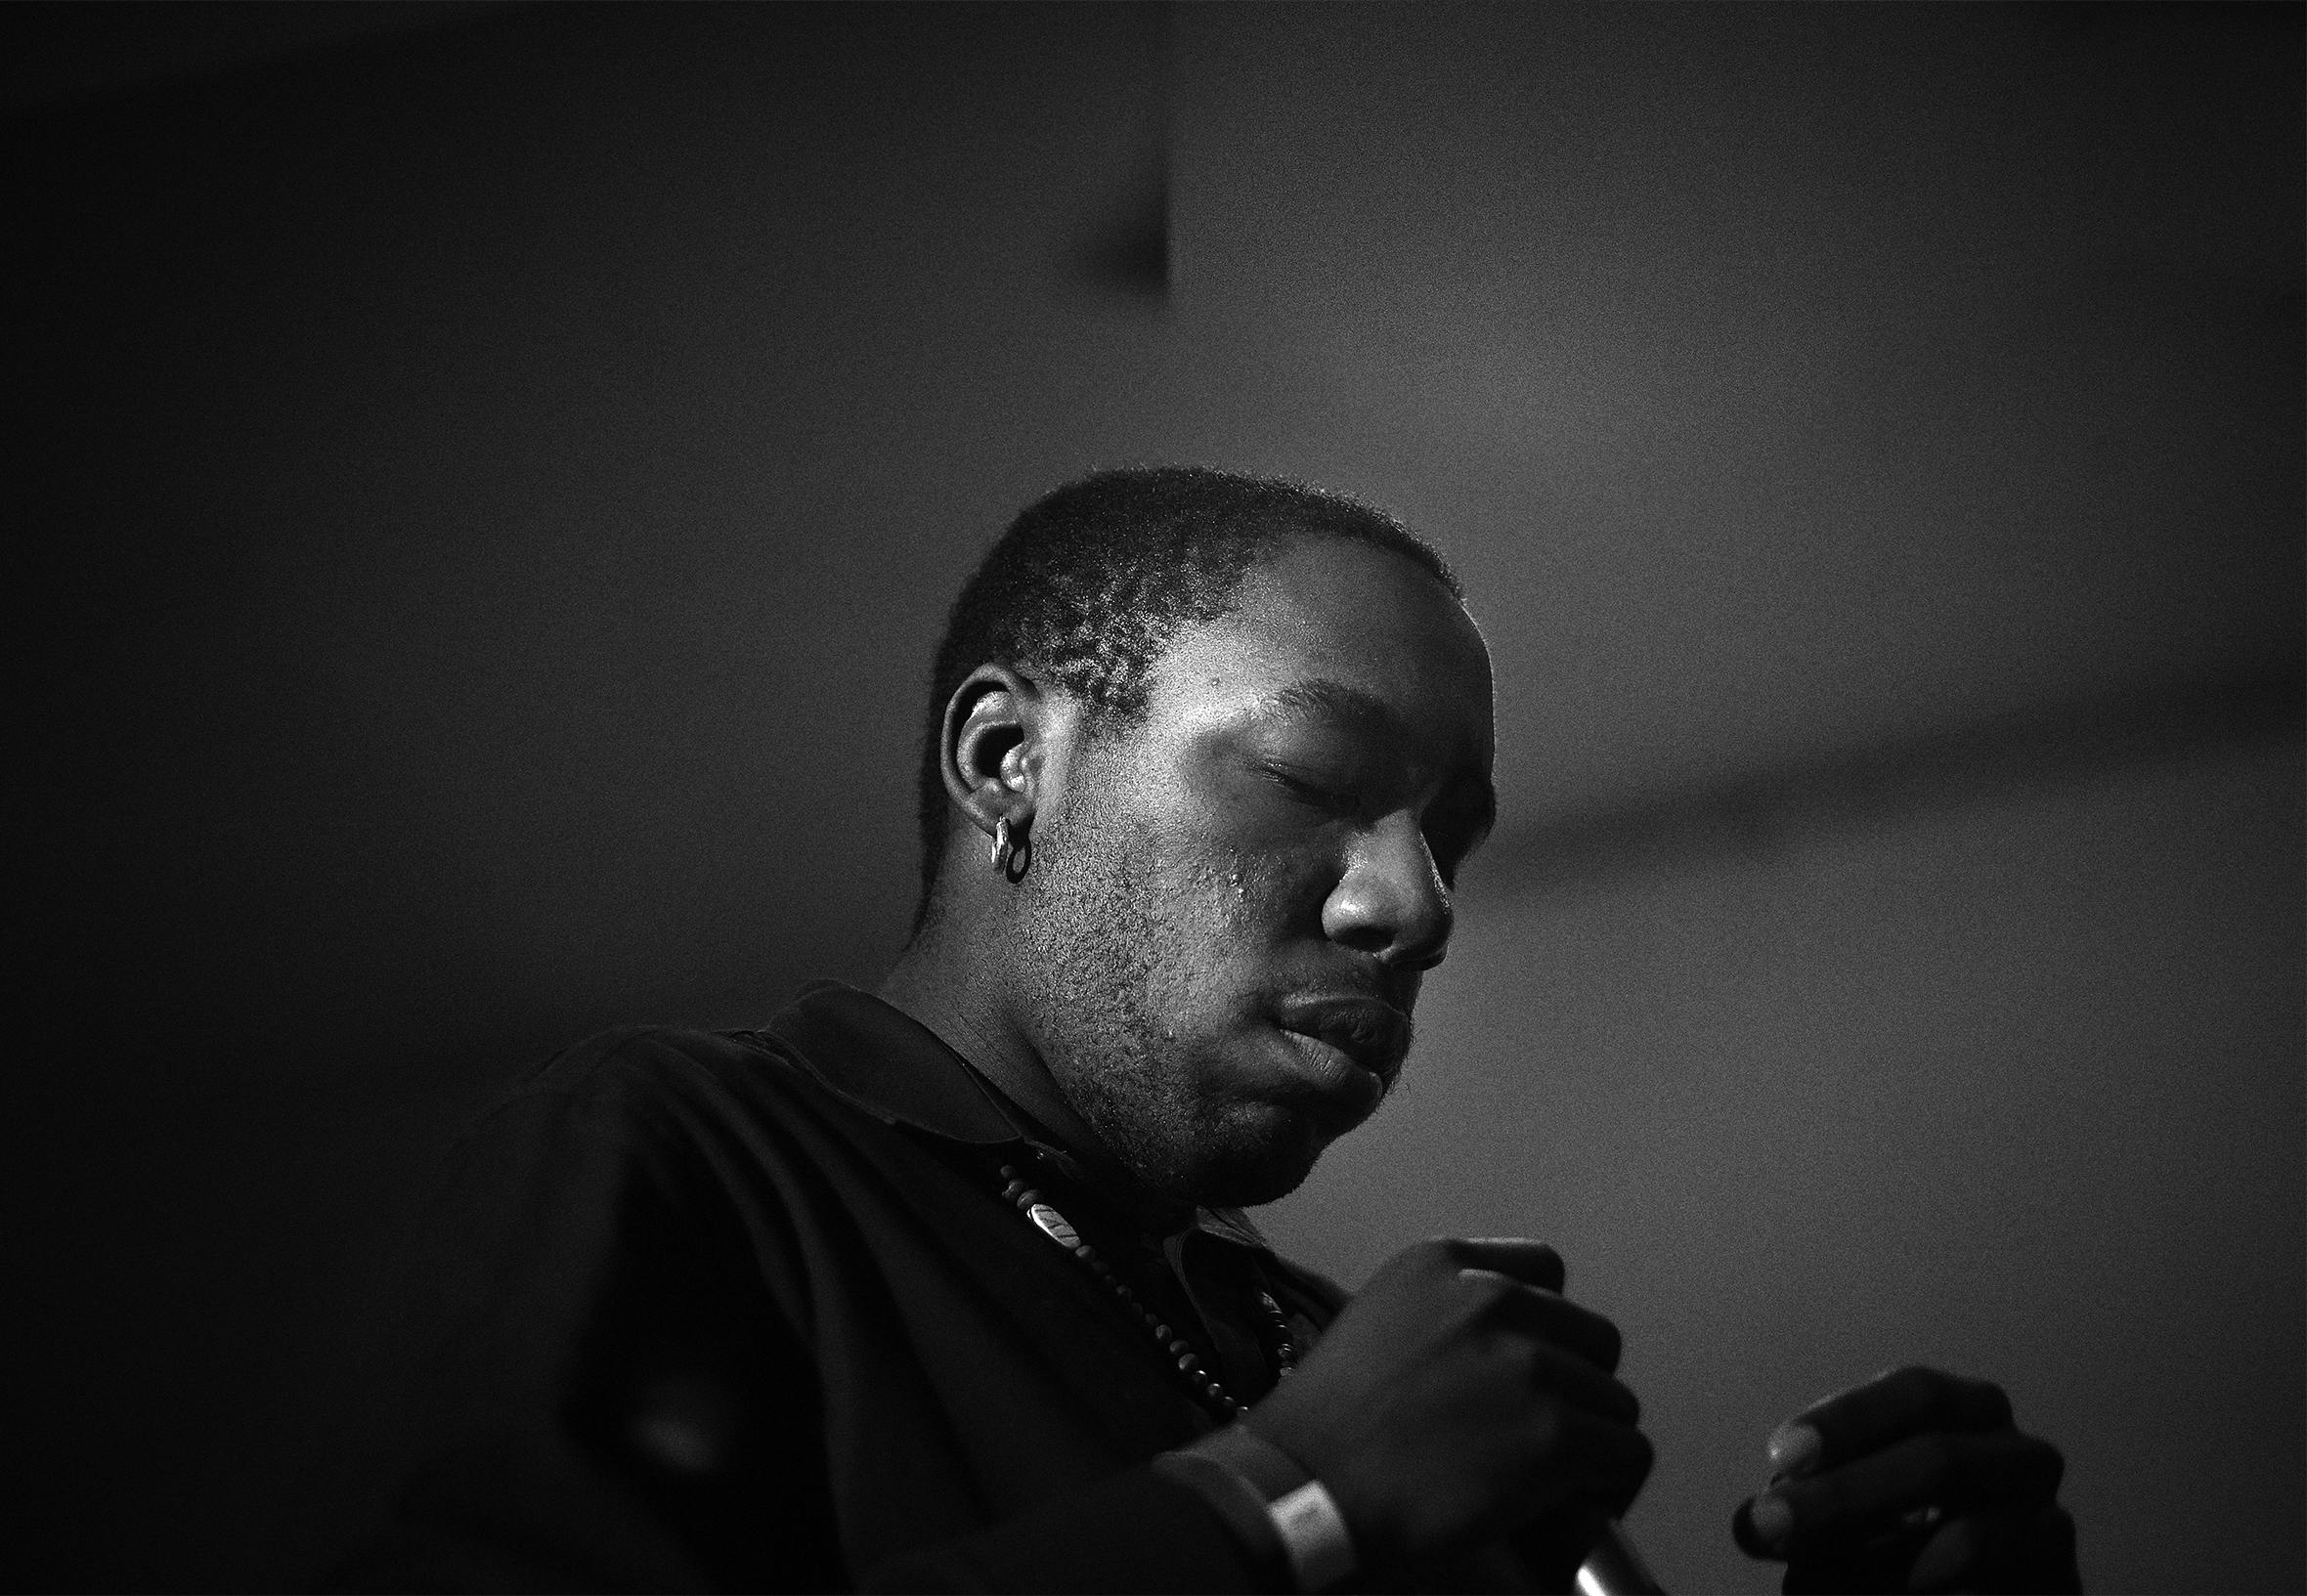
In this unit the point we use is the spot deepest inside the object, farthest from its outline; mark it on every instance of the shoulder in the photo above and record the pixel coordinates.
(640, 1059)
(652, 1141)
(659, 1087)
(639, 1062)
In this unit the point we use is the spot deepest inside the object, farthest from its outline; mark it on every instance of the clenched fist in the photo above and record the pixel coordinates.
(1459, 1396)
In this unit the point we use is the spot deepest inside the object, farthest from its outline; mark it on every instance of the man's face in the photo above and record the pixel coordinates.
(1231, 906)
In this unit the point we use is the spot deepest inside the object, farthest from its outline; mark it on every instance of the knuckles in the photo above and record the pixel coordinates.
(2047, 1469)
(1950, 1399)
(1982, 1403)
(1620, 1407)
(1611, 1345)
(1642, 1455)
(1924, 1390)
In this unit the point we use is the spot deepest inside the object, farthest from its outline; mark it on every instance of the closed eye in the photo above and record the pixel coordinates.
(1317, 795)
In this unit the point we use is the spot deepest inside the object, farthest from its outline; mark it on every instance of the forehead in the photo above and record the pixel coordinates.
(1341, 614)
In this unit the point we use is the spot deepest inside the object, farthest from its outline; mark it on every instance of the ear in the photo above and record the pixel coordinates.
(994, 748)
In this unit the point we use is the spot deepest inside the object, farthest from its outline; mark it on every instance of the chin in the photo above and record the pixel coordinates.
(1260, 1162)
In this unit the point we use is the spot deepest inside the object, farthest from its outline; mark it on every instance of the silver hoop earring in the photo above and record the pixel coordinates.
(1003, 848)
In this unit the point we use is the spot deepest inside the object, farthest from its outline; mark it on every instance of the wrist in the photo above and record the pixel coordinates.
(1368, 1495)
(1275, 1504)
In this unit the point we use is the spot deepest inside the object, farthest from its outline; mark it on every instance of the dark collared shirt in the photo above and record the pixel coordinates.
(748, 1311)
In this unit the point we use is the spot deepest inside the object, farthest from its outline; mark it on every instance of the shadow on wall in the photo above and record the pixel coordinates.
(1925, 770)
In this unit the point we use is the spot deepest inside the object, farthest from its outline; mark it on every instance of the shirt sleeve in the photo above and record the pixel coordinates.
(1135, 1532)
(601, 1392)
(604, 1393)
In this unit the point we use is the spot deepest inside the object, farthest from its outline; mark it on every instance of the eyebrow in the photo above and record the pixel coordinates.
(1320, 698)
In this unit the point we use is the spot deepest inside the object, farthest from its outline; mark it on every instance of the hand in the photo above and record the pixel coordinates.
(1915, 1480)
(1457, 1396)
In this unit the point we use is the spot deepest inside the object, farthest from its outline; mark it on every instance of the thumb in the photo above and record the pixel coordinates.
(1533, 1262)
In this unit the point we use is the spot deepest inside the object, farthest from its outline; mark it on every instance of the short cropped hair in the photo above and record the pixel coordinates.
(1091, 582)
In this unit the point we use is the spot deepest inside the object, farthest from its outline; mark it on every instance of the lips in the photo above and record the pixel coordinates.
(1374, 1035)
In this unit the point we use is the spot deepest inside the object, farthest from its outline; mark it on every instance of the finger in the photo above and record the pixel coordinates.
(1613, 1459)
(2038, 1557)
(1871, 1538)
(1532, 1263)
(1999, 1551)
(1870, 1557)
(1574, 1381)
(2001, 1469)
(1877, 1563)
(1886, 1409)
(1550, 1317)
(1553, 1544)
(1946, 1557)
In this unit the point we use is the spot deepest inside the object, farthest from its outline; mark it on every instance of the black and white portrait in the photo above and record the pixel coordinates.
(1155, 796)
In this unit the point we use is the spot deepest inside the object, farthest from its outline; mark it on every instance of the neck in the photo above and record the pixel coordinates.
(953, 986)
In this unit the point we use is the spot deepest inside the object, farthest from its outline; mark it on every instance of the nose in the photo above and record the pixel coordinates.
(1391, 900)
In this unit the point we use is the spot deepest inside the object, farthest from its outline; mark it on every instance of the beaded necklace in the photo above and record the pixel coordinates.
(1203, 1384)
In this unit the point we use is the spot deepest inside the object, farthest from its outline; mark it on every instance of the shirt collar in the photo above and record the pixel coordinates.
(890, 1065)
(880, 1059)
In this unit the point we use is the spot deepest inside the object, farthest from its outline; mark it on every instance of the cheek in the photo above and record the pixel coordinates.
(1226, 920)
(1279, 892)
(1208, 910)
(1197, 906)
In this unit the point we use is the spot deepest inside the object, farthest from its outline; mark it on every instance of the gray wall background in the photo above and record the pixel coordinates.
(487, 480)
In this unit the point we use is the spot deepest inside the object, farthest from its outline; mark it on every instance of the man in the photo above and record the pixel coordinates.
(946, 1288)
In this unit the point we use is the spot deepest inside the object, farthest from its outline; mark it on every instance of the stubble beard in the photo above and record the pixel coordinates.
(1116, 937)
